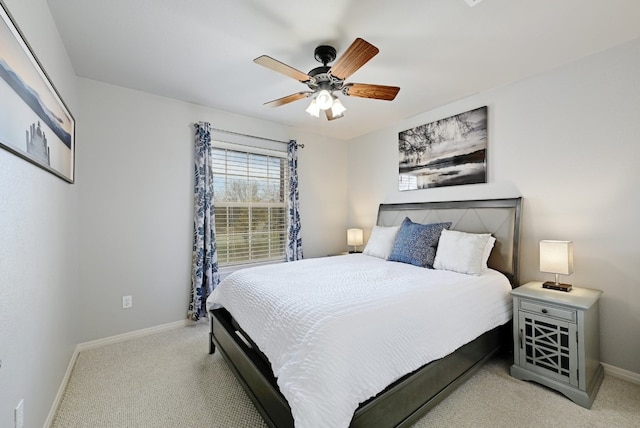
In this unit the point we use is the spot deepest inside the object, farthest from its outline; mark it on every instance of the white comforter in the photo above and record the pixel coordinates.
(338, 330)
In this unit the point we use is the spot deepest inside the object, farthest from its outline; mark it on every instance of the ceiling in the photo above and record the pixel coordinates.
(436, 51)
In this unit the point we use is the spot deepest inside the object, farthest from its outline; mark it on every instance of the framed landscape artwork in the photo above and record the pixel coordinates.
(35, 124)
(446, 152)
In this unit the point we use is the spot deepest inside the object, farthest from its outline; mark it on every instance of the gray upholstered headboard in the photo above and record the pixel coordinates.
(500, 217)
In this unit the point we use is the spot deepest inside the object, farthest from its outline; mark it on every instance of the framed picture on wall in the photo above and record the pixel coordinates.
(446, 152)
(35, 124)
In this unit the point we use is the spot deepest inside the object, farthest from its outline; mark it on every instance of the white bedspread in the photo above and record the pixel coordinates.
(338, 330)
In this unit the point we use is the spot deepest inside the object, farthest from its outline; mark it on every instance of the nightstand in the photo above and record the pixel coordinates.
(556, 340)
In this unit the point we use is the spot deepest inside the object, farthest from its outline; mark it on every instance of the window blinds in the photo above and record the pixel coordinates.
(250, 199)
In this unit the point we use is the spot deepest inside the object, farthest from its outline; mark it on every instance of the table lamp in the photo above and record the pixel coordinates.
(556, 257)
(355, 237)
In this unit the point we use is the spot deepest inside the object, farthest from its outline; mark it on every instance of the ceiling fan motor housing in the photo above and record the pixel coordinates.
(322, 79)
(320, 76)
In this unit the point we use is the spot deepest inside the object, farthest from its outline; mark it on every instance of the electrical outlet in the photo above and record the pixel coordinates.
(127, 302)
(19, 415)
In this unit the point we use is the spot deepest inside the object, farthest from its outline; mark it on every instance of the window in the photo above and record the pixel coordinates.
(250, 200)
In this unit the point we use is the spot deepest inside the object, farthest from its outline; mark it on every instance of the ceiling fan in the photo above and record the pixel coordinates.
(323, 81)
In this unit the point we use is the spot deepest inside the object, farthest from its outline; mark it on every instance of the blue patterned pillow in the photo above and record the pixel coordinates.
(416, 243)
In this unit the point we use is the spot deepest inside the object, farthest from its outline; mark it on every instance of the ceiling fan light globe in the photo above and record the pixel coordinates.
(324, 100)
(337, 108)
(313, 109)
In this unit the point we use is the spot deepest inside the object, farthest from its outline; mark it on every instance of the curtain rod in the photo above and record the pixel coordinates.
(254, 136)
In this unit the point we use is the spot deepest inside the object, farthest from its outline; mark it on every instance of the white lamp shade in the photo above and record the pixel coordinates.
(313, 109)
(324, 100)
(337, 108)
(556, 257)
(355, 237)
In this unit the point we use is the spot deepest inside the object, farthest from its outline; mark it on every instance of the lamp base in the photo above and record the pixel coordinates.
(556, 286)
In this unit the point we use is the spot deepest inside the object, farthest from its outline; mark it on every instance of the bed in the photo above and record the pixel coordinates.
(410, 389)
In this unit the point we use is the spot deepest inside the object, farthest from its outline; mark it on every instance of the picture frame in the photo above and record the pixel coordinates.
(35, 123)
(447, 152)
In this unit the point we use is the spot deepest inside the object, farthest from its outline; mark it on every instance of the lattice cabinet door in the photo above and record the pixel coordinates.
(548, 347)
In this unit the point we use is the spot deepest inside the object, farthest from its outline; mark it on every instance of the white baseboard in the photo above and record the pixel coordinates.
(623, 374)
(92, 344)
(63, 386)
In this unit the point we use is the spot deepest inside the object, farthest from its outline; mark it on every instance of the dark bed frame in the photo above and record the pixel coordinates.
(402, 403)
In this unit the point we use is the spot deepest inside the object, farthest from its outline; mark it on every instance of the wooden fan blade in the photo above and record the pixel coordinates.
(281, 67)
(288, 99)
(378, 92)
(357, 55)
(330, 115)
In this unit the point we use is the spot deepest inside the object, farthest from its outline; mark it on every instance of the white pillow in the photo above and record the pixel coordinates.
(381, 241)
(487, 251)
(463, 252)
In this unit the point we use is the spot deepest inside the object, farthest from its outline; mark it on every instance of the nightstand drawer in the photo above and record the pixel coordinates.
(549, 310)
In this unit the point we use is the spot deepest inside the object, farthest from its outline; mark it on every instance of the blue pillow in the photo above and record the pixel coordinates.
(416, 243)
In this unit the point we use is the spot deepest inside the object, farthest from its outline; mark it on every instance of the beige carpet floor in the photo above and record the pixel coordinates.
(168, 380)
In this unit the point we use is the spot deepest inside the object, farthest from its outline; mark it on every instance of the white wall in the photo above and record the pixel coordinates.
(567, 141)
(38, 251)
(135, 172)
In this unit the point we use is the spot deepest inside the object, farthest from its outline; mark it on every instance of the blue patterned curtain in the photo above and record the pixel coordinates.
(294, 244)
(204, 269)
